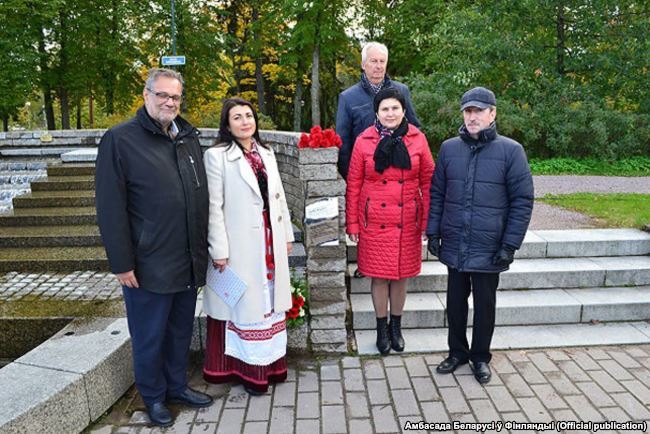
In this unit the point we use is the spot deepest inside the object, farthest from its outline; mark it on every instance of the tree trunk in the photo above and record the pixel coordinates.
(79, 115)
(297, 105)
(315, 86)
(5, 123)
(65, 109)
(561, 41)
(259, 77)
(49, 108)
(47, 91)
(91, 114)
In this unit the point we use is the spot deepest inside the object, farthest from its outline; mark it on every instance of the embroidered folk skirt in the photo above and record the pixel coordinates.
(251, 354)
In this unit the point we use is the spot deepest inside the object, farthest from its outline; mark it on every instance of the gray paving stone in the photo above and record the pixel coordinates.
(210, 414)
(282, 420)
(392, 361)
(442, 380)
(561, 383)
(542, 362)
(334, 415)
(641, 392)
(454, 400)
(502, 398)
(502, 365)
(615, 370)
(385, 421)
(405, 402)
(606, 381)
(207, 428)
(307, 426)
(530, 373)
(259, 408)
(425, 390)
(631, 405)
(357, 405)
(470, 387)
(564, 414)
(624, 359)
(351, 362)
(584, 410)
(636, 352)
(308, 405)
(584, 360)
(595, 394)
(378, 392)
(416, 367)
(254, 428)
(398, 378)
(614, 413)
(332, 393)
(549, 397)
(535, 411)
(373, 369)
(642, 374)
(231, 421)
(434, 412)
(360, 426)
(237, 398)
(330, 371)
(284, 394)
(307, 381)
(353, 379)
(573, 371)
(517, 386)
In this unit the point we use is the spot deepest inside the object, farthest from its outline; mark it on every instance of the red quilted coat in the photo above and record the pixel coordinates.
(389, 210)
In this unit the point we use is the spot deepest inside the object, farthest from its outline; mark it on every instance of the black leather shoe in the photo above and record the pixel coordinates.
(159, 414)
(253, 392)
(449, 365)
(191, 398)
(395, 330)
(383, 342)
(482, 372)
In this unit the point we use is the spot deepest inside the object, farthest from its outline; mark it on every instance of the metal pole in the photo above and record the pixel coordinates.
(173, 31)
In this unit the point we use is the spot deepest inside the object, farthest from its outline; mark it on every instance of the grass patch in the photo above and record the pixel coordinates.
(612, 209)
(635, 166)
(39, 308)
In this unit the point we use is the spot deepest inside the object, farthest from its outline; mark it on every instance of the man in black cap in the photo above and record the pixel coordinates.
(481, 204)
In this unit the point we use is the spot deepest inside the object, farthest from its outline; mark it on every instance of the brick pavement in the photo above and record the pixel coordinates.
(77, 285)
(381, 395)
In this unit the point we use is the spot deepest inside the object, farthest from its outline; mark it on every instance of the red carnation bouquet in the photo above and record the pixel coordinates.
(319, 138)
(298, 313)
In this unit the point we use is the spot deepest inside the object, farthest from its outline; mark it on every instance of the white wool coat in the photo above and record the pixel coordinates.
(236, 231)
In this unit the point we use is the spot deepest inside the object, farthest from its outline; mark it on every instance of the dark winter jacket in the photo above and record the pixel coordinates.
(481, 198)
(355, 113)
(152, 203)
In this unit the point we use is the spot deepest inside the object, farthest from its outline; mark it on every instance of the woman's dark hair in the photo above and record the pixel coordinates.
(386, 93)
(225, 136)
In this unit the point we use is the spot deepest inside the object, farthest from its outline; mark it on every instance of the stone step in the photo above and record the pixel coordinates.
(50, 236)
(71, 170)
(35, 259)
(36, 152)
(49, 216)
(58, 183)
(568, 243)
(21, 176)
(554, 306)
(538, 274)
(520, 337)
(40, 199)
(22, 165)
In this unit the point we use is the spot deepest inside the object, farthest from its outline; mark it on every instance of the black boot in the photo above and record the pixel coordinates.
(395, 329)
(383, 343)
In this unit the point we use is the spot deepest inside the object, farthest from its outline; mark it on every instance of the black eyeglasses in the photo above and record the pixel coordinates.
(164, 96)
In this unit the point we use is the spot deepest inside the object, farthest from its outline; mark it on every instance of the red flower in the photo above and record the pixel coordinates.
(319, 138)
(304, 141)
(316, 130)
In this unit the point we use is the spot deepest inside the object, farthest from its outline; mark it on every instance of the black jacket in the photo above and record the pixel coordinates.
(481, 197)
(152, 203)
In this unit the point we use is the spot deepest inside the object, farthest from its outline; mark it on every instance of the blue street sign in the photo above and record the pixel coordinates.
(173, 60)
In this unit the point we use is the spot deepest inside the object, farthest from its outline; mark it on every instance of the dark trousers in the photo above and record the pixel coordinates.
(161, 331)
(483, 287)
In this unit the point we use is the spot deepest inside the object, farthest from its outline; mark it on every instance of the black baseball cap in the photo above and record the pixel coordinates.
(478, 97)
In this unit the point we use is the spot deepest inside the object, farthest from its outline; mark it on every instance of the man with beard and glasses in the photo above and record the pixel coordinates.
(480, 207)
(355, 111)
(152, 211)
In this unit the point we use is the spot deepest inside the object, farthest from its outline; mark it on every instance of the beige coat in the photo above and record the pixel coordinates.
(236, 231)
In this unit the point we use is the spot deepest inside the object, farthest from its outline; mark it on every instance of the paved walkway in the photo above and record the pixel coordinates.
(530, 391)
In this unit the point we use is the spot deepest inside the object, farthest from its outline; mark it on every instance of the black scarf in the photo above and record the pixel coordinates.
(391, 150)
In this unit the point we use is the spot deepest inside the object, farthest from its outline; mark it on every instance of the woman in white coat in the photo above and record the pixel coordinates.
(250, 231)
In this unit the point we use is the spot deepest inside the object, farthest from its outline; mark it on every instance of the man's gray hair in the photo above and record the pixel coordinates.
(377, 45)
(156, 73)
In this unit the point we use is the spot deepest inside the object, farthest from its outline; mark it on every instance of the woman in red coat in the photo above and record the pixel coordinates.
(387, 202)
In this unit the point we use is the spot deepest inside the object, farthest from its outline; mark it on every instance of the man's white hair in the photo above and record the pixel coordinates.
(155, 73)
(377, 45)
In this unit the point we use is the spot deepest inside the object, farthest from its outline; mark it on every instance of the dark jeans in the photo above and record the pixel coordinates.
(161, 332)
(483, 287)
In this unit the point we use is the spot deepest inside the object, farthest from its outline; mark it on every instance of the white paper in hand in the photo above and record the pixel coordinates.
(227, 285)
